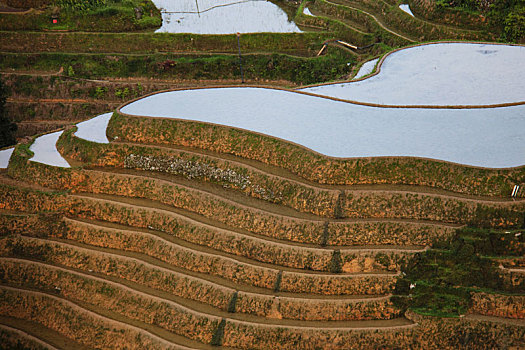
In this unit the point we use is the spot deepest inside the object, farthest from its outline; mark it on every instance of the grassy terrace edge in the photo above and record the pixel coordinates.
(299, 43)
(311, 165)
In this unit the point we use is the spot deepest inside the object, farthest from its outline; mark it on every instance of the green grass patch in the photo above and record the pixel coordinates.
(439, 282)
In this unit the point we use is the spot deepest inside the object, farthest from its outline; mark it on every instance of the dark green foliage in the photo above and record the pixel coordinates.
(277, 287)
(11, 345)
(7, 128)
(508, 16)
(19, 250)
(336, 264)
(339, 212)
(326, 233)
(487, 242)
(216, 339)
(514, 25)
(233, 302)
(445, 276)
(81, 5)
(256, 67)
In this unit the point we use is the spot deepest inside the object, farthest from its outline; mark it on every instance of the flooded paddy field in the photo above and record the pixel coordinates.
(441, 74)
(490, 137)
(223, 17)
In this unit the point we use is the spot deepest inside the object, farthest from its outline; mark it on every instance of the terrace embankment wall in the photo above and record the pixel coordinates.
(244, 334)
(73, 321)
(218, 296)
(115, 266)
(499, 305)
(306, 44)
(430, 333)
(271, 278)
(276, 189)
(393, 18)
(353, 205)
(72, 285)
(12, 338)
(313, 166)
(104, 294)
(159, 244)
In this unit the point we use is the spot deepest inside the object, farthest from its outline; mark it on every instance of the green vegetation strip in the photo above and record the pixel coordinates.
(441, 281)
(256, 67)
(83, 15)
(306, 44)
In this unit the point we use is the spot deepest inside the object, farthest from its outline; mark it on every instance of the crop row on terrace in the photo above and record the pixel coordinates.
(264, 277)
(99, 15)
(334, 234)
(258, 67)
(343, 19)
(14, 338)
(457, 17)
(499, 305)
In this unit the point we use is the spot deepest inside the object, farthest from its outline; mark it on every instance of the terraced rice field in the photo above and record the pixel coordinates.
(165, 231)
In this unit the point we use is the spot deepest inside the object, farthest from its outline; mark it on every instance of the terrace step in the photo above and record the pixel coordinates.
(314, 166)
(255, 287)
(509, 321)
(36, 333)
(356, 232)
(356, 7)
(382, 204)
(111, 319)
(376, 9)
(224, 161)
(116, 238)
(230, 335)
(268, 278)
(220, 213)
(54, 277)
(302, 234)
(352, 25)
(261, 252)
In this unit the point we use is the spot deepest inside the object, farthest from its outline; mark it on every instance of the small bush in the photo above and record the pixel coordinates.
(217, 337)
(336, 264)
